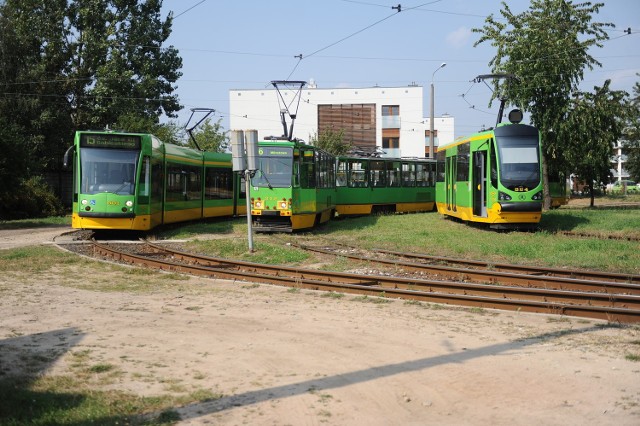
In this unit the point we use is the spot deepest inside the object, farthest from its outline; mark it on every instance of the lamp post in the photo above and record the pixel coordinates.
(431, 119)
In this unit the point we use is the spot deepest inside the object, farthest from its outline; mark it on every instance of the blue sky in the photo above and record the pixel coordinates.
(244, 44)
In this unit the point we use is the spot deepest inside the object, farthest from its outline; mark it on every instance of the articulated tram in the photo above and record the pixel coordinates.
(294, 187)
(368, 185)
(134, 181)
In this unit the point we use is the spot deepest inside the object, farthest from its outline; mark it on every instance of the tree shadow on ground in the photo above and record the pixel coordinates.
(200, 409)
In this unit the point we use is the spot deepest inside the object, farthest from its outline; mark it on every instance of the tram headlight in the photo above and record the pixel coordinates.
(537, 196)
(282, 204)
(503, 197)
(129, 203)
(258, 204)
(84, 202)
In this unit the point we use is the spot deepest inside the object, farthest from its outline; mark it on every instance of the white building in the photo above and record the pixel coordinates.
(617, 163)
(389, 118)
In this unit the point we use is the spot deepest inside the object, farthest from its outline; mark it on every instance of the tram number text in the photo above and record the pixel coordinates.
(113, 203)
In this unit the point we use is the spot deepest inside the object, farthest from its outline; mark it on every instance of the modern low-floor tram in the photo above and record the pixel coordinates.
(492, 177)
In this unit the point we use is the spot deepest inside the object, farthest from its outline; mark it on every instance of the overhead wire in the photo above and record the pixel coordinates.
(398, 8)
(187, 10)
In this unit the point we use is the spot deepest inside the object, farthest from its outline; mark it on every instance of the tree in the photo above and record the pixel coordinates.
(591, 128)
(632, 134)
(547, 49)
(80, 64)
(331, 141)
(210, 137)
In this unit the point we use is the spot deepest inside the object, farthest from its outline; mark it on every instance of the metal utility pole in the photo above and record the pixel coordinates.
(431, 119)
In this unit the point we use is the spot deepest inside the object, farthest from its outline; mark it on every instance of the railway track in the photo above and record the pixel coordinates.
(606, 305)
(493, 273)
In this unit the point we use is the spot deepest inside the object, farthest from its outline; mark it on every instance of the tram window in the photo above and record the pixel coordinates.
(462, 160)
(156, 181)
(144, 186)
(394, 168)
(341, 176)
(218, 183)
(307, 172)
(494, 167)
(408, 174)
(377, 173)
(183, 183)
(462, 168)
(422, 175)
(358, 174)
(296, 173)
(440, 163)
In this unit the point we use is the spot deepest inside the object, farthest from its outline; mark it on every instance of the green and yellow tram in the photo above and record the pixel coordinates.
(492, 177)
(366, 185)
(293, 188)
(134, 181)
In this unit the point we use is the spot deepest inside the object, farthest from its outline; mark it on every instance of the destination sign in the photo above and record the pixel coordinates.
(275, 151)
(106, 140)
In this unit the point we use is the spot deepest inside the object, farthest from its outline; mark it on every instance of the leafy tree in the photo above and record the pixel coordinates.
(210, 137)
(547, 48)
(632, 134)
(591, 128)
(79, 64)
(331, 140)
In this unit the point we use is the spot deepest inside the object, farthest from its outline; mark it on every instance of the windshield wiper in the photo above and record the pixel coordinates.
(266, 179)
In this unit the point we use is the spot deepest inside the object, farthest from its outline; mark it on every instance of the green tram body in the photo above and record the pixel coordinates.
(492, 177)
(133, 181)
(294, 187)
(366, 185)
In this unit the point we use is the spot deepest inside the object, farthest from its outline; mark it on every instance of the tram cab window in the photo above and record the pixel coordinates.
(108, 170)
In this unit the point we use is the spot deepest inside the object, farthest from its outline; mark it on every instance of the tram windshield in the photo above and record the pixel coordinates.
(519, 161)
(108, 170)
(275, 168)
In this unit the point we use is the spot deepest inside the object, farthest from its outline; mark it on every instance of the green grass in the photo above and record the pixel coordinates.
(63, 400)
(35, 223)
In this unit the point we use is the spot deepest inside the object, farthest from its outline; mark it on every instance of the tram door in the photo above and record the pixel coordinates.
(479, 183)
(450, 182)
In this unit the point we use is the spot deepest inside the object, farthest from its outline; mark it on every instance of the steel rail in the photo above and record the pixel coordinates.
(619, 308)
(495, 277)
(505, 267)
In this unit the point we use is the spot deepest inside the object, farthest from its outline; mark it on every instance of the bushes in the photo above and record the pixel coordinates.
(32, 199)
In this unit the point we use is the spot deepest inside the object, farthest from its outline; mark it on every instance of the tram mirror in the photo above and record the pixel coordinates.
(515, 116)
(67, 157)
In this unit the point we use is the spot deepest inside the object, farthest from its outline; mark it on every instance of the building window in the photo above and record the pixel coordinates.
(388, 110)
(390, 143)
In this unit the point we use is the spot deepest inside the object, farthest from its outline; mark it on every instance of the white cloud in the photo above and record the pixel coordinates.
(459, 37)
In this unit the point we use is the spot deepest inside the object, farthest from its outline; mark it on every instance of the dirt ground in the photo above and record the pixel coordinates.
(300, 358)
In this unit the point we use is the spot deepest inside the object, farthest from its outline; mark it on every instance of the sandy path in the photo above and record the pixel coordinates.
(300, 358)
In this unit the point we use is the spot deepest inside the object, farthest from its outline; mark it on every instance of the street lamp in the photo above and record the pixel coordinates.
(431, 147)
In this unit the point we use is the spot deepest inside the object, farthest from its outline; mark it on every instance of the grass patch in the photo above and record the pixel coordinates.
(270, 253)
(56, 400)
(632, 357)
(35, 223)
